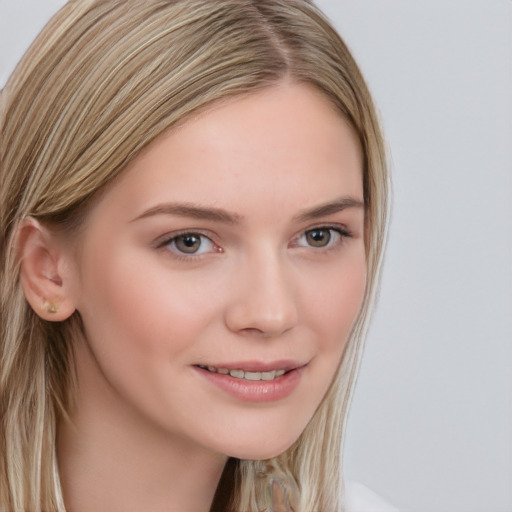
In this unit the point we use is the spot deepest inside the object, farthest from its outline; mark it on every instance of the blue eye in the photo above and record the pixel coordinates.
(190, 243)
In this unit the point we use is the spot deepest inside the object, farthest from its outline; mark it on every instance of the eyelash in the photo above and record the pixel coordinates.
(342, 233)
(170, 240)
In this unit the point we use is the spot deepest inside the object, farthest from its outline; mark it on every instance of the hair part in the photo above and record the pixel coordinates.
(101, 81)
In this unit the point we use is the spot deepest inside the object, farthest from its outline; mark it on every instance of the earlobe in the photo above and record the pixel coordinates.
(41, 272)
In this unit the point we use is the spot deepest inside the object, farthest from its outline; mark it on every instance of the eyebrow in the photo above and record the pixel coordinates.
(329, 208)
(199, 212)
(193, 211)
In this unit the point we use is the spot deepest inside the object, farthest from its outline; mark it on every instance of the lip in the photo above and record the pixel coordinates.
(256, 391)
(258, 366)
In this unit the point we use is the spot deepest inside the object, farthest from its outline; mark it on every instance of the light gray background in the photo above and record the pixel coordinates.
(431, 426)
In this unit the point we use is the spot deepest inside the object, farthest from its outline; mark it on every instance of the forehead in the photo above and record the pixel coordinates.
(285, 147)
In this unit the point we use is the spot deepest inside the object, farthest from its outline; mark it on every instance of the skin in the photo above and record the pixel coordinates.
(149, 431)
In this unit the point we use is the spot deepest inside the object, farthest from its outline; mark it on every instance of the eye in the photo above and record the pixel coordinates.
(190, 244)
(321, 237)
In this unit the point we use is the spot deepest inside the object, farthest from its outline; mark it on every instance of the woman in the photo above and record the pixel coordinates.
(193, 208)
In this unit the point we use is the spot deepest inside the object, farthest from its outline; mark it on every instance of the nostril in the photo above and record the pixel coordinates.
(258, 332)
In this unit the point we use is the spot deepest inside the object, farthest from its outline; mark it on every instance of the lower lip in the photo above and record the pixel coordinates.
(255, 391)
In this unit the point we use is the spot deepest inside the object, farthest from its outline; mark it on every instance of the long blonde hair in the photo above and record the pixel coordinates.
(102, 80)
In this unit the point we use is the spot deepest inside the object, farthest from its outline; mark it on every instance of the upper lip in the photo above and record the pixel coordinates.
(258, 366)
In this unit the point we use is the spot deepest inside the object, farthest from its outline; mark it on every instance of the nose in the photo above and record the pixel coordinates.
(264, 302)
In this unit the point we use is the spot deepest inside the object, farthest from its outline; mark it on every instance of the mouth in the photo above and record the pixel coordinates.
(252, 376)
(254, 381)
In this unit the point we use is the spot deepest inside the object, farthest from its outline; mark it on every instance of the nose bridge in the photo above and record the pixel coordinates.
(265, 302)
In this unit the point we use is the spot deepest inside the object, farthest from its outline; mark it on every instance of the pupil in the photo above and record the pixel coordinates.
(190, 241)
(318, 237)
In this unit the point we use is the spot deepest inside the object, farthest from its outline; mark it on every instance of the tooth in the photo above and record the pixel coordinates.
(268, 375)
(224, 371)
(252, 376)
(239, 374)
(279, 373)
(212, 369)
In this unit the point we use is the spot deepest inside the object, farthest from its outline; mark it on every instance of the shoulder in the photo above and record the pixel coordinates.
(359, 498)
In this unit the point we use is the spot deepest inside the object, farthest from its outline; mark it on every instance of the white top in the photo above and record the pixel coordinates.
(359, 498)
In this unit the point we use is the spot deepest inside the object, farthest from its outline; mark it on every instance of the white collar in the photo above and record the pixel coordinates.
(359, 498)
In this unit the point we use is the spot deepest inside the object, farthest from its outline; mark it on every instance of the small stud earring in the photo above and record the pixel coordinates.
(50, 307)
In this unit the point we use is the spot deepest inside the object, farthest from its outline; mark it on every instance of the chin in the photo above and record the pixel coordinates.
(258, 449)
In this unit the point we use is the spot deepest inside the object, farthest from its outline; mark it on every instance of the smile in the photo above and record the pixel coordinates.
(258, 382)
(245, 375)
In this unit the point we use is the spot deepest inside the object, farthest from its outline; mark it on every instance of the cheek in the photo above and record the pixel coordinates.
(334, 306)
(141, 326)
(137, 308)
(330, 308)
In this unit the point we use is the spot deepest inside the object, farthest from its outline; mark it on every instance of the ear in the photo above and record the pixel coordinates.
(43, 271)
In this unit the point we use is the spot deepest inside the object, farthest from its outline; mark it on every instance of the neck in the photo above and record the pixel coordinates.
(113, 460)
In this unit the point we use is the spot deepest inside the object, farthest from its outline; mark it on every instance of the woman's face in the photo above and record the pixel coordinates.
(219, 278)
